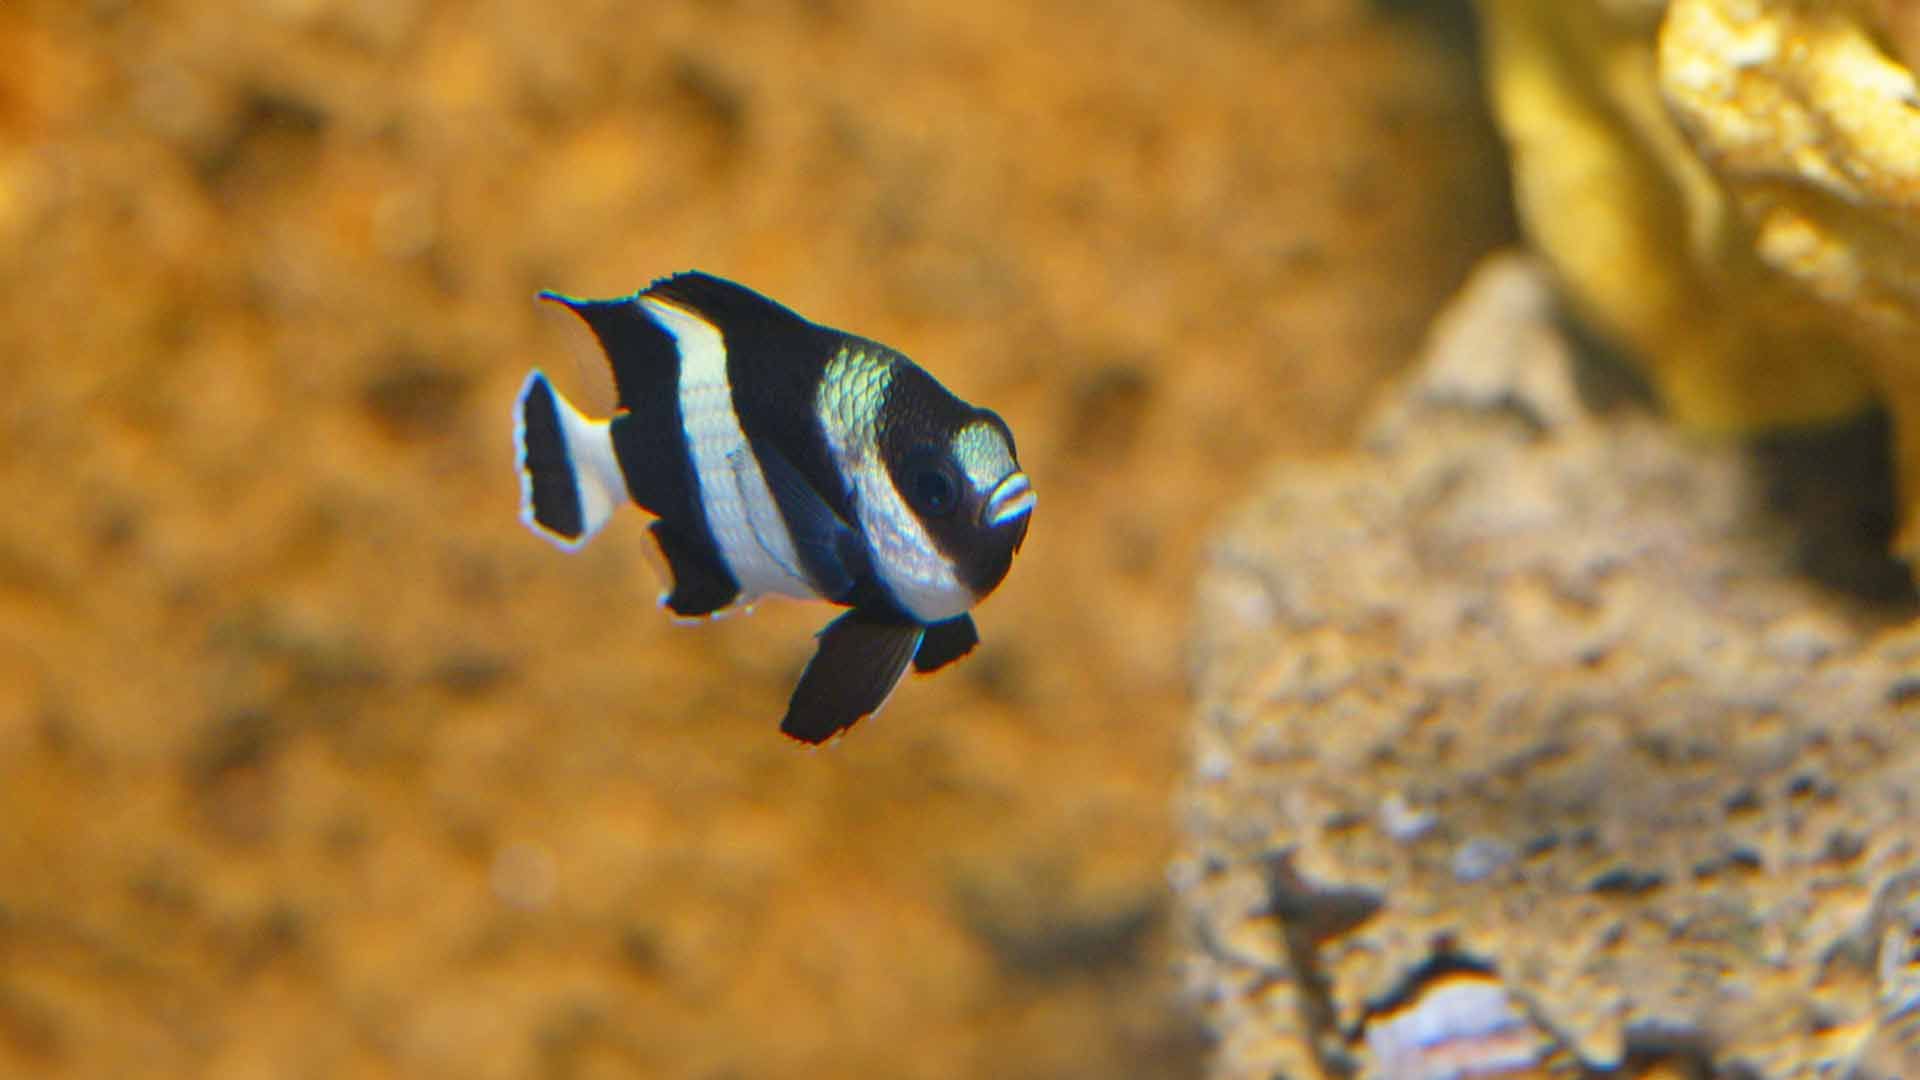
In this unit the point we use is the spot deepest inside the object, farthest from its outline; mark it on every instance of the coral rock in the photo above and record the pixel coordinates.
(1814, 131)
(1641, 235)
(1577, 640)
(1730, 188)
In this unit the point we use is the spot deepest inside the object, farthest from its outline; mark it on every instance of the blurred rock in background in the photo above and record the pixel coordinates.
(1527, 745)
(1730, 189)
(312, 760)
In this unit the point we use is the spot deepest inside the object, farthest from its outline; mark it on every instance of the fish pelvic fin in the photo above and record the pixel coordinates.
(570, 480)
(945, 642)
(859, 662)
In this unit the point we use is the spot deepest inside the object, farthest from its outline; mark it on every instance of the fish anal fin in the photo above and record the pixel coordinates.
(651, 452)
(859, 661)
(945, 642)
(701, 584)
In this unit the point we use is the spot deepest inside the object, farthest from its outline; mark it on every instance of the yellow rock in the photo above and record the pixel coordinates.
(1813, 130)
(1645, 240)
(1731, 189)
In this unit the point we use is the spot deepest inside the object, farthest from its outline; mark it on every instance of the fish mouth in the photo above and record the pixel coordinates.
(1011, 500)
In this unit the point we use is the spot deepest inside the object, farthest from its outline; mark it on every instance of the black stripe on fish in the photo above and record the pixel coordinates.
(859, 661)
(702, 584)
(775, 360)
(917, 425)
(551, 491)
(649, 441)
(641, 354)
(569, 480)
(648, 437)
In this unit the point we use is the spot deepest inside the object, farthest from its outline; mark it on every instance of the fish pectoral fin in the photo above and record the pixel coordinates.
(855, 669)
(945, 642)
(701, 585)
(829, 549)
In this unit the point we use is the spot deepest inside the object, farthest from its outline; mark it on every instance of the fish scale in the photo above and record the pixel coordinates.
(920, 578)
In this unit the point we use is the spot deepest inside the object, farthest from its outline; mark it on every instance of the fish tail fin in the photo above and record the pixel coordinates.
(570, 480)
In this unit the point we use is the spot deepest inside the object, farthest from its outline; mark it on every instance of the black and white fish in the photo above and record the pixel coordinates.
(784, 457)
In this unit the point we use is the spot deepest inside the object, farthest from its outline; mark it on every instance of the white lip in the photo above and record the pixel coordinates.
(1012, 498)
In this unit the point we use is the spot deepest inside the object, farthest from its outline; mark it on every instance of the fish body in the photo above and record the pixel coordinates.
(782, 457)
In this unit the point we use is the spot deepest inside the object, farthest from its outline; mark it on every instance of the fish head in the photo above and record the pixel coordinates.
(957, 471)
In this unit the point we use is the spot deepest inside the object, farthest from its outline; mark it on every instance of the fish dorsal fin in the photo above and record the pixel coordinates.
(736, 310)
(644, 357)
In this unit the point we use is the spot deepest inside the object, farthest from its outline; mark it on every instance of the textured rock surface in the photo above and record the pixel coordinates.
(1534, 696)
(1811, 122)
(1731, 188)
(1645, 241)
(314, 763)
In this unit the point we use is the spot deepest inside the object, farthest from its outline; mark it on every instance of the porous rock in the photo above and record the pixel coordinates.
(1570, 635)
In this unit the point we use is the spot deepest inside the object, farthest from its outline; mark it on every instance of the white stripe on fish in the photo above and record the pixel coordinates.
(741, 513)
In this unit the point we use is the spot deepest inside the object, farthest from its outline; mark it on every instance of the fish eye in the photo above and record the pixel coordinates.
(932, 485)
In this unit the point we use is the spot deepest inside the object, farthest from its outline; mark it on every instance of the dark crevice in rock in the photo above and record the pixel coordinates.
(272, 136)
(1626, 881)
(1445, 961)
(1835, 488)
(1606, 377)
(1309, 916)
(414, 398)
(1318, 913)
(1681, 1052)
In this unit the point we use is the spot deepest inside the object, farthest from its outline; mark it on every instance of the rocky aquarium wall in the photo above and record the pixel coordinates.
(1564, 728)
(1462, 632)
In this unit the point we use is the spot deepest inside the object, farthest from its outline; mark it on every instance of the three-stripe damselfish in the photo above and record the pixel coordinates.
(779, 456)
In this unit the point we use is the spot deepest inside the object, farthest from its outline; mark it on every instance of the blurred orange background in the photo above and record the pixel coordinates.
(313, 762)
